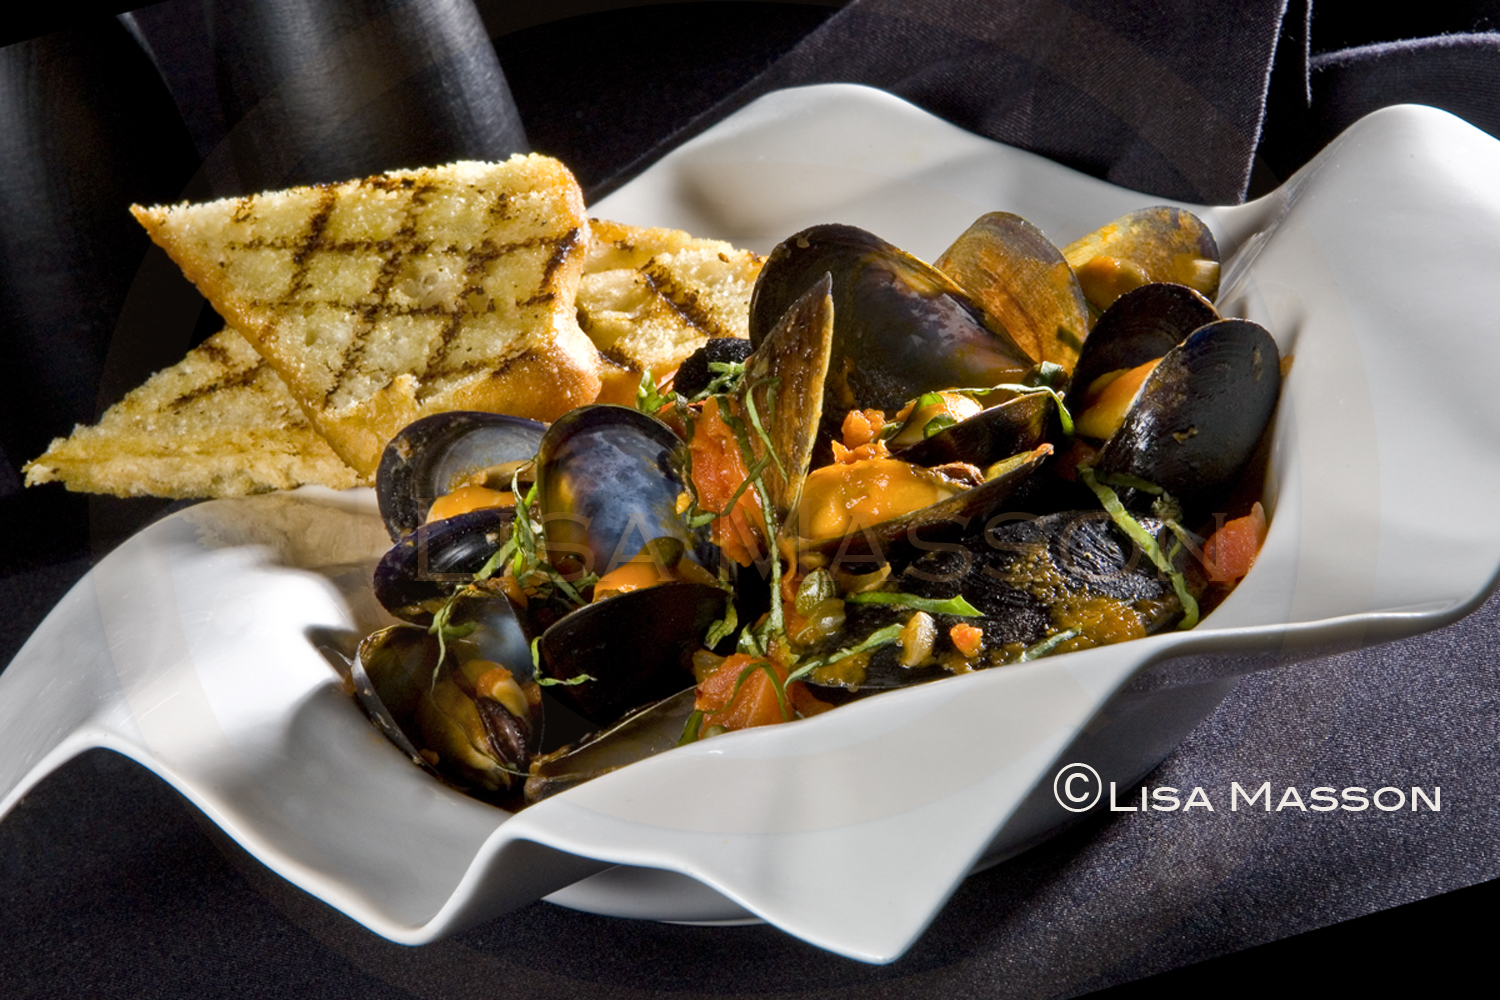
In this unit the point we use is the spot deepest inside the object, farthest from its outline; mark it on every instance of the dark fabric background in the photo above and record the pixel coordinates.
(110, 885)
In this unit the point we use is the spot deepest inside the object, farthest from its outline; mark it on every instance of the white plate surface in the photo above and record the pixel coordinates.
(188, 647)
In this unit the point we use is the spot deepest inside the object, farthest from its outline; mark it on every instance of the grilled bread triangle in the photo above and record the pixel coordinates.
(651, 297)
(218, 423)
(382, 300)
(222, 423)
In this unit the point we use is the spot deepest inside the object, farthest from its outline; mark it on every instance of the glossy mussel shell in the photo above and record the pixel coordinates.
(783, 383)
(609, 479)
(424, 567)
(433, 456)
(1142, 325)
(637, 647)
(898, 540)
(1199, 415)
(901, 327)
(432, 710)
(644, 733)
(1017, 425)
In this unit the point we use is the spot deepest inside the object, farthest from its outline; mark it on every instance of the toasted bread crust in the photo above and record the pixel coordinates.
(218, 423)
(382, 300)
(222, 422)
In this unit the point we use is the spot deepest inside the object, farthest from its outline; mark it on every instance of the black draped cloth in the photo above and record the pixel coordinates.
(111, 885)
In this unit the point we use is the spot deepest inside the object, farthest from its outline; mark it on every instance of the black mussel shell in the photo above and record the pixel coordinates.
(694, 375)
(637, 646)
(435, 455)
(1030, 578)
(608, 482)
(899, 540)
(425, 566)
(1198, 417)
(1141, 326)
(1017, 425)
(901, 327)
(423, 697)
(644, 733)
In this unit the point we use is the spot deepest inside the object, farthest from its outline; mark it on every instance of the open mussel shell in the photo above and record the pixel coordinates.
(1021, 279)
(784, 381)
(424, 567)
(468, 710)
(1017, 425)
(1142, 325)
(1162, 243)
(1198, 417)
(433, 456)
(899, 540)
(901, 327)
(608, 482)
(637, 647)
(643, 733)
(1031, 579)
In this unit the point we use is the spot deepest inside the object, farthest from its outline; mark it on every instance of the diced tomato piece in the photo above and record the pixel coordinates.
(1230, 552)
(967, 639)
(740, 694)
(718, 470)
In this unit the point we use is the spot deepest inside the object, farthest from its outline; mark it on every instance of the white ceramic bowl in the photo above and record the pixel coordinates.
(191, 648)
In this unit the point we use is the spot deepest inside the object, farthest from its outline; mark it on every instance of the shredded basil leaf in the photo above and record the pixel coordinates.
(937, 424)
(933, 605)
(647, 399)
(691, 730)
(1048, 644)
(499, 556)
(1142, 537)
(876, 639)
(541, 678)
(1063, 416)
(724, 626)
(1127, 481)
(1048, 373)
(776, 685)
(726, 379)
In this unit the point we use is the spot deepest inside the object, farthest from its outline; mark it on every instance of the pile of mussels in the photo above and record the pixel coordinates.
(908, 471)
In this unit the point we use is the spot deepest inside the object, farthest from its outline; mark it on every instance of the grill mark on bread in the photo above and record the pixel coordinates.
(304, 310)
(232, 380)
(561, 248)
(620, 358)
(684, 301)
(475, 261)
(401, 246)
(495, 369)
(311, 242)
(215, 353)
